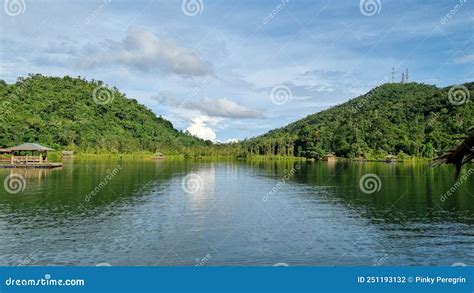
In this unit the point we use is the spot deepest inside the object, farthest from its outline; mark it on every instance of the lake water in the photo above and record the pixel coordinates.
(234, 213)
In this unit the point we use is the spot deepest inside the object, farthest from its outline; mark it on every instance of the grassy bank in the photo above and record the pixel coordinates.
(56, 156)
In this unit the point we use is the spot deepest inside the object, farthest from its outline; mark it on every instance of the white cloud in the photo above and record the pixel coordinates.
(199, 127)
(143, 51)
(223, 108)
(230, 140)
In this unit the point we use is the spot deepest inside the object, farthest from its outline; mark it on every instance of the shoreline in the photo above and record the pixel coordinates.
(149, 157)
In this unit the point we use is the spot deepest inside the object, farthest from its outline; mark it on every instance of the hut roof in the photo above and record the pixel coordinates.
(4, 150)
(30, 147)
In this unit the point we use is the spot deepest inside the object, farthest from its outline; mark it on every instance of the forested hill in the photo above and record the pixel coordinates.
(397, 119)
(72, 113)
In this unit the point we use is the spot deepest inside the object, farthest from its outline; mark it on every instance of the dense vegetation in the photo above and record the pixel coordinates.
(71, 113)
(398, 119)
(62, 113)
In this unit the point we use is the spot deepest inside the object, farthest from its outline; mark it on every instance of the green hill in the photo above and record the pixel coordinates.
(72, 113)
(399, 119)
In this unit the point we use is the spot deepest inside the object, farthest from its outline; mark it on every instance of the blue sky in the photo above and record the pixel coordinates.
(228, 70)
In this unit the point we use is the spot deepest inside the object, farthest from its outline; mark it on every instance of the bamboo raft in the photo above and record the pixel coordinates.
(27, 162)
(38, 166)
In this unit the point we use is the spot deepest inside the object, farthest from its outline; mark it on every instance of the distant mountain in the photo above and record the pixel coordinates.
(398, 119)
(72, 113)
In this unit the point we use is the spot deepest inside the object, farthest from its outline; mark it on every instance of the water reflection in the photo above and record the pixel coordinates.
(199, 185)
(315, 214)
(15, 180)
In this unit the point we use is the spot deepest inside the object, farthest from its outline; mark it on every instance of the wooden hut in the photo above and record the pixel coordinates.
(329, 157)
(67, 154)
(390, 159)
(30, 155)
